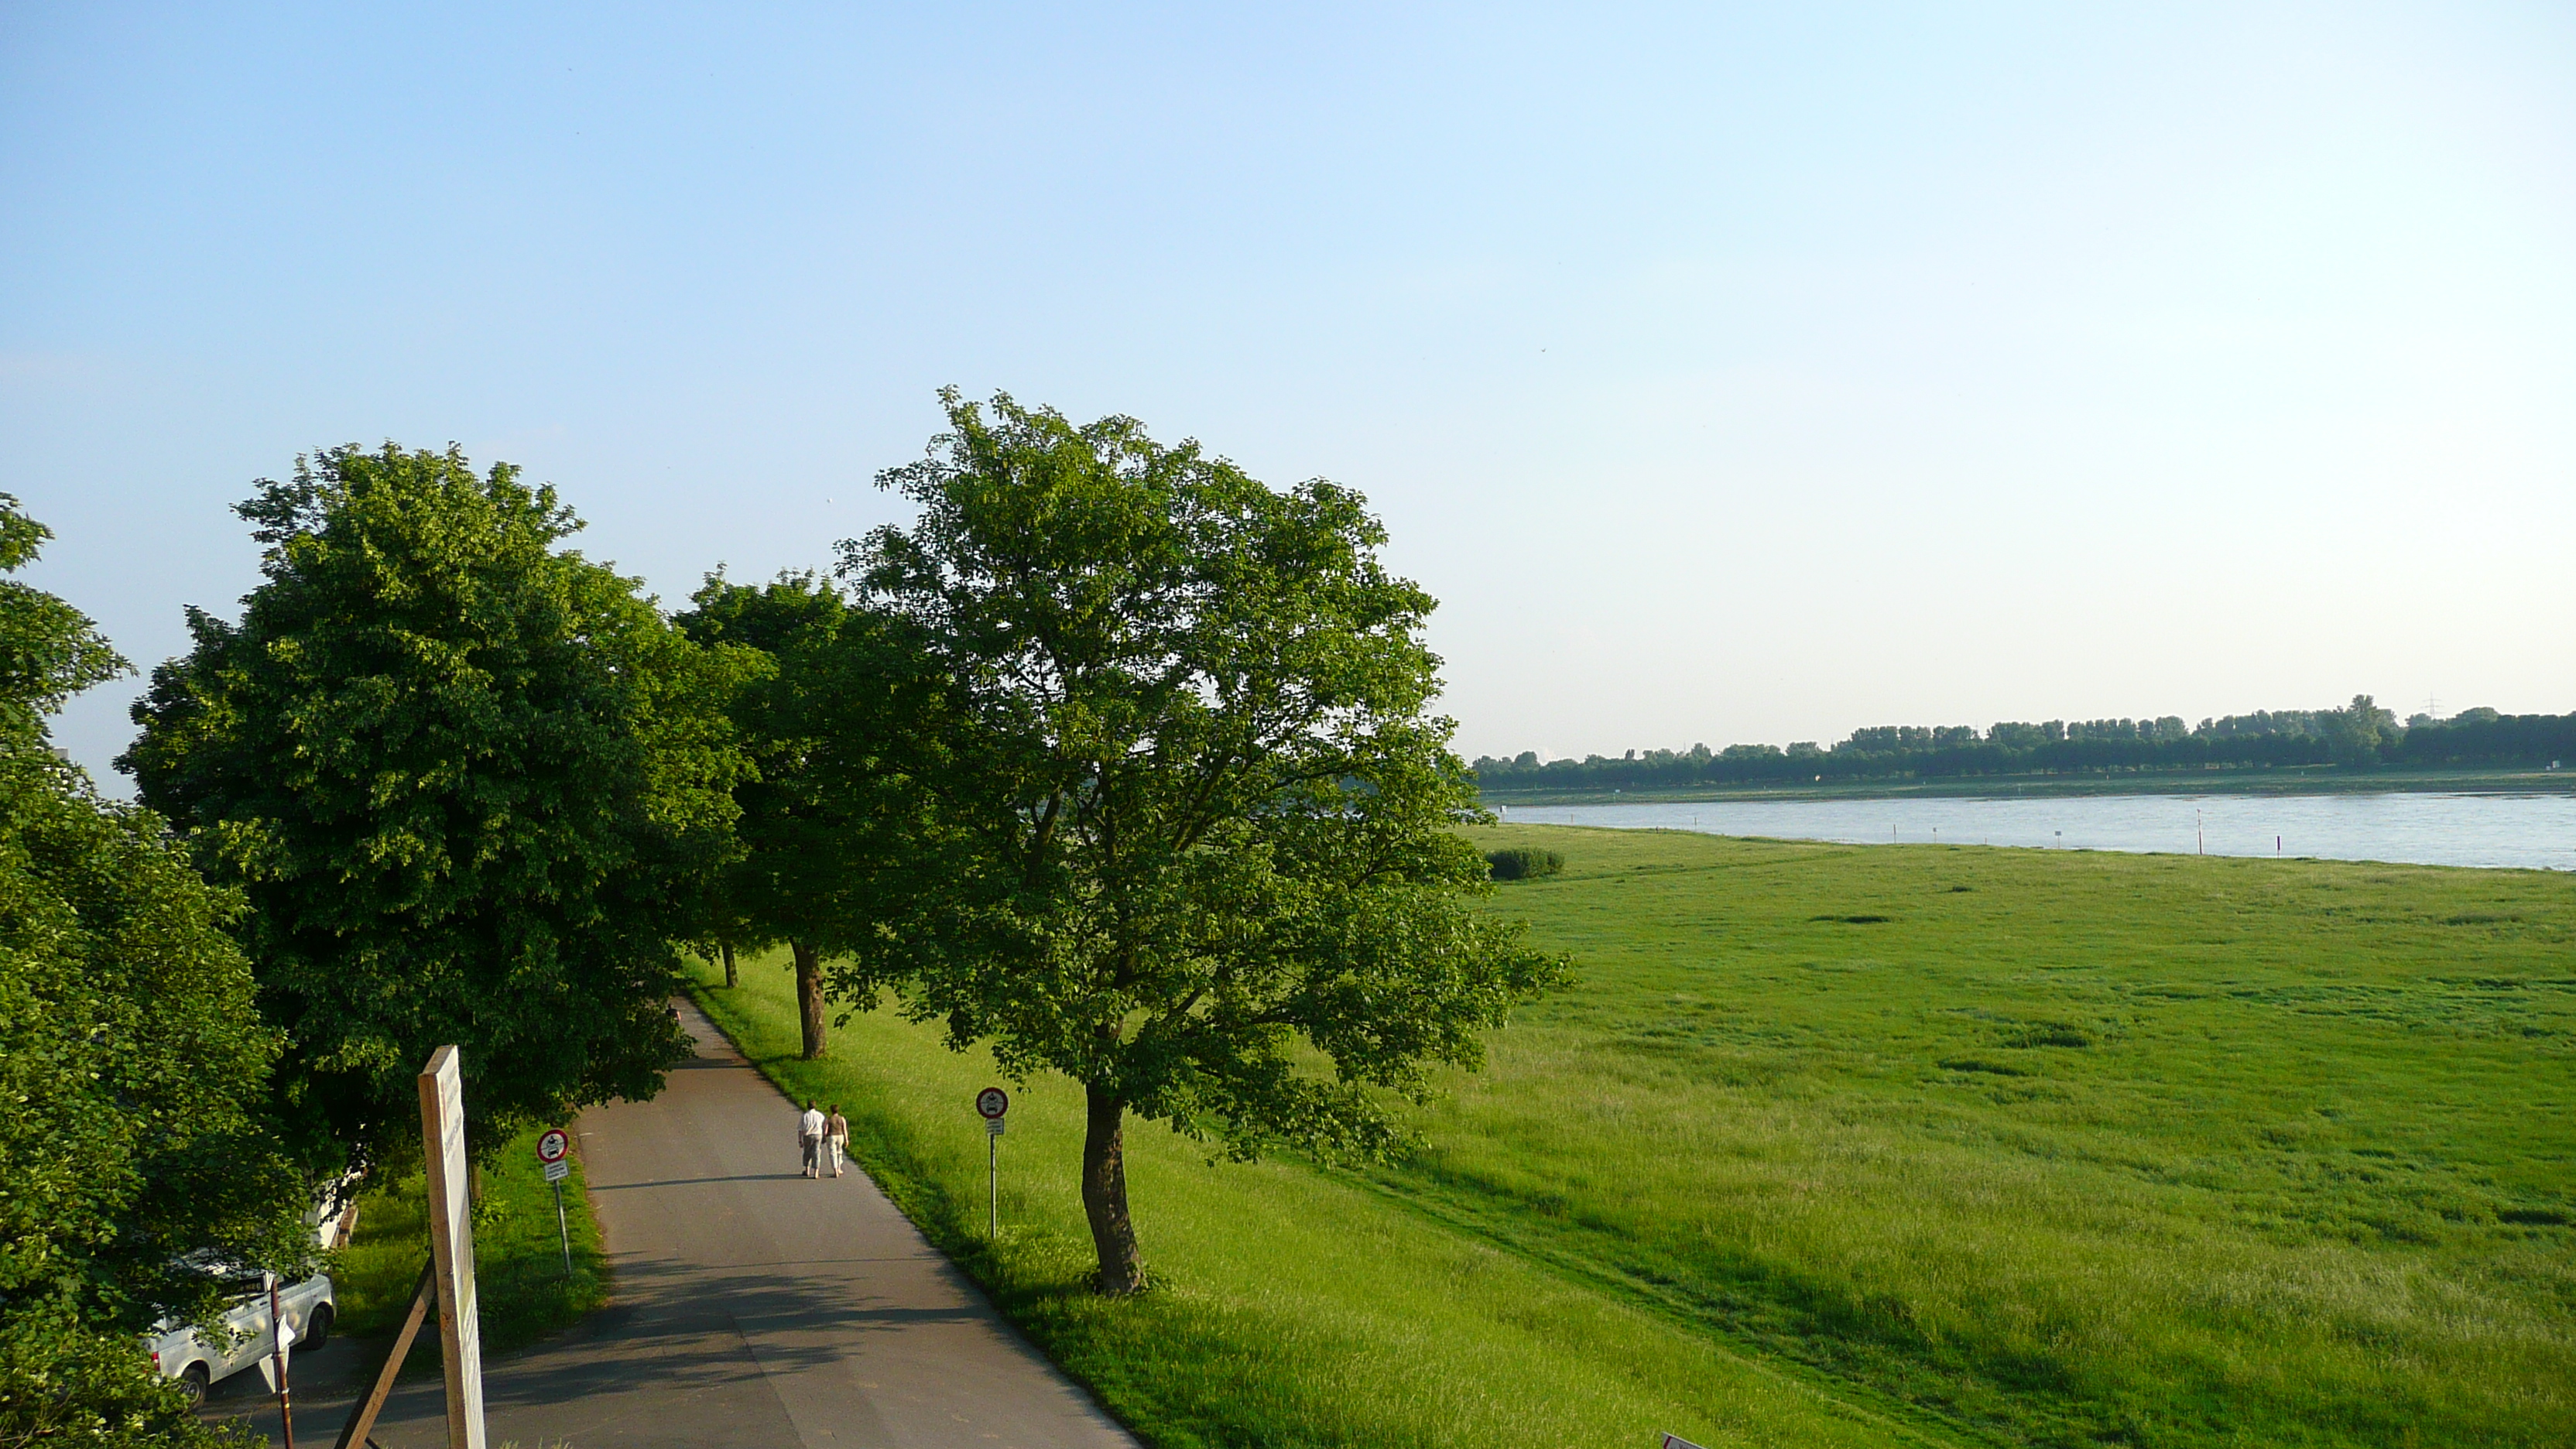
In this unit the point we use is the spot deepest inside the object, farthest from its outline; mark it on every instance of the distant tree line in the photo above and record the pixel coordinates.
(2360, 735)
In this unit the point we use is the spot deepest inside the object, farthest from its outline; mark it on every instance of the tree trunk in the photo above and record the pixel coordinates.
(731, 980)
(1104, 1196)
(809, 998)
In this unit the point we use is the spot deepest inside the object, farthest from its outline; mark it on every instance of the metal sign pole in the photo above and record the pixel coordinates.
(553, 1146)
(990, 1104)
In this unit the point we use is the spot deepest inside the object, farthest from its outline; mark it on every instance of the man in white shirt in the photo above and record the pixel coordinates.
(809, 1136)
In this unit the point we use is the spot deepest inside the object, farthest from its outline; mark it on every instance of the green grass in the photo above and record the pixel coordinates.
(1863, 1145)
(522, 1291)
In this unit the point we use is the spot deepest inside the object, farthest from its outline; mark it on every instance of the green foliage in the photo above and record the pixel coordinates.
(2357, 733)
(520, 1286)
(130, 1060)
(1193, 833)
(2359, 736)
(1521, 862)
(829, 721)
(471, 784)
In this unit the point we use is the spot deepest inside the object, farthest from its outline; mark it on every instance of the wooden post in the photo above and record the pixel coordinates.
(451, 1246)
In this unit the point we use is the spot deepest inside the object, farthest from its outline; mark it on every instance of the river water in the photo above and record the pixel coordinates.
(2531, 831)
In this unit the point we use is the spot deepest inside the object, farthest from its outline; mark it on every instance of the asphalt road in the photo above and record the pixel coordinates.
(754, 1307)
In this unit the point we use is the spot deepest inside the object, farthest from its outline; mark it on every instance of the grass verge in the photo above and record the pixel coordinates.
(522, 1289)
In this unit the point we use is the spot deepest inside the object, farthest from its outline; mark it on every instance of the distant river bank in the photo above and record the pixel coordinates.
(2528, 831)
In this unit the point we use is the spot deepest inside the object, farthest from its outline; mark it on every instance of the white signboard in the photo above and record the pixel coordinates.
(451, 1246)
(558, 1170)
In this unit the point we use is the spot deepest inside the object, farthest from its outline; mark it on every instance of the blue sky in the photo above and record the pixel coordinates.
(1731, 374)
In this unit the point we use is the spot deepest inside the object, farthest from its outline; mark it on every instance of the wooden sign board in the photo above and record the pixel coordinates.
(451, 1246)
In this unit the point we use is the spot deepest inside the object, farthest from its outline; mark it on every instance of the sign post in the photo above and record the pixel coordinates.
(451, 1246)
(991, 1103)
(552, 1144)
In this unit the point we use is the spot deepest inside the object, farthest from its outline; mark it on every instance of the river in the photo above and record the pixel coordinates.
(2528, 831)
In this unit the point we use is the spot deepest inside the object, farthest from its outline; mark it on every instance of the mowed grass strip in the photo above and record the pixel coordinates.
(2011, 1147)
(1290, 1307)
(522, 1292)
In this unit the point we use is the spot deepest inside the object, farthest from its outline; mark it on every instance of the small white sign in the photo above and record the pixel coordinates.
(993, 1126)
(558, 1170)
(1676, 1441)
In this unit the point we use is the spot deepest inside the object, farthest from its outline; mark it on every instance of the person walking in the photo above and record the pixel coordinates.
(809, 1137)
(836, 1130)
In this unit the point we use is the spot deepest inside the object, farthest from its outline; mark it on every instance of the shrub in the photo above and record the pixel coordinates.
(1523, 861)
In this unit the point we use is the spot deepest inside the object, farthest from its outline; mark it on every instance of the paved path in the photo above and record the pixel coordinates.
(754, 1307)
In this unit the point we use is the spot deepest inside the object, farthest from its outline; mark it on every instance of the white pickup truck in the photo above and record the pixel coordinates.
(197, 1364)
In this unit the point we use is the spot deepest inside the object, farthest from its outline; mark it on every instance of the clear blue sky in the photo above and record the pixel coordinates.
(1730, 373)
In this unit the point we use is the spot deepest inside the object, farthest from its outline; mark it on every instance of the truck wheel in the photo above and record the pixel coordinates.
(317, 1332)
(193, 1381)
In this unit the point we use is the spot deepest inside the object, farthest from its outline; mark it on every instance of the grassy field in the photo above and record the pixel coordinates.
(1845, 1145)
(521, 1287)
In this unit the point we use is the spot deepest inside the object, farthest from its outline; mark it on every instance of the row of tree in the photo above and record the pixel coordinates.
(1115, 761)
(2360, 735)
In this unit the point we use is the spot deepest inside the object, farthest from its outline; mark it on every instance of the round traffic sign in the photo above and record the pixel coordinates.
(992, 1102)
(552, 1144)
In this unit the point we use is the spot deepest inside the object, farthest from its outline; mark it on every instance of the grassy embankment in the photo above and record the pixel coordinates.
(1841, 1145)
(521, 1287)
(2285, 780)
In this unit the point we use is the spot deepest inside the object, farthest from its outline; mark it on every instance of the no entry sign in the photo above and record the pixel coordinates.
(552, 1144)
(992, 1102)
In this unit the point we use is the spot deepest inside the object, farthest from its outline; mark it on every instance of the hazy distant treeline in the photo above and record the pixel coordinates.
(2360, 734)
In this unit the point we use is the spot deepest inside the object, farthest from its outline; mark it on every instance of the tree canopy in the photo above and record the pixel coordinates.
(833, 724)
(132, 1063)
(470, 783)
(1195, 828)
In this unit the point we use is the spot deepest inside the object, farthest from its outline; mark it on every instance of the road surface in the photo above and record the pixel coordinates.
(754, 1307)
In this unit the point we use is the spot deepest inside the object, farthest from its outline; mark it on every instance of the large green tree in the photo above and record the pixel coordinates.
(133, 1067)
(2357, 733)
(833, 725)
(470, 782)
(1196, 832)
